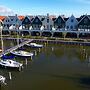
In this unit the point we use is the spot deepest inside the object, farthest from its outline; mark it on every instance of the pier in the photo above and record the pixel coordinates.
(16, 47)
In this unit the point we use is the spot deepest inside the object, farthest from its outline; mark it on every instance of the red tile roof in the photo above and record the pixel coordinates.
(21, 17)
(2, 18)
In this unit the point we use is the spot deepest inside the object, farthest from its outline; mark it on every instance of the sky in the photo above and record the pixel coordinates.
(42, 7)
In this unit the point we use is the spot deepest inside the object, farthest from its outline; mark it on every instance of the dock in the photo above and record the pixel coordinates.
(16, 47)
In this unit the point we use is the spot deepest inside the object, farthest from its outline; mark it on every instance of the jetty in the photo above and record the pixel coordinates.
(16, 47)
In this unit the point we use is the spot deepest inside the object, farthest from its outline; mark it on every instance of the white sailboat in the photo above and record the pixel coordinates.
(6, 61)
(21, 53)
(35, 45)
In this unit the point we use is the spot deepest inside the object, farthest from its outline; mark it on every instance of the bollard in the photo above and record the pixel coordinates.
(10, 76)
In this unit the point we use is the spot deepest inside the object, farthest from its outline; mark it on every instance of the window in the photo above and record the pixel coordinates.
(59, 20)
(11, 19)
(85, 20)
(67, 27)
(26, 20)
(72, 20)
(36, 20)
(71, 27)
(47, 20)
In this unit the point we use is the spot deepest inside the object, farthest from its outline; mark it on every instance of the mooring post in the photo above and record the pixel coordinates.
(39, 49)
(26, 61)
(10, 76)
(35, 53)
(31, 57)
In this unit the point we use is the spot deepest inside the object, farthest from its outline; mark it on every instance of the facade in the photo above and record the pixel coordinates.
(71, 24)
(6, 23)
(36, 23)
(26, 23)
(59, 23)
(84, 23)
(47, 23)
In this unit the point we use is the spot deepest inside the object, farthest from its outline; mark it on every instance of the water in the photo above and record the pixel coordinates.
(55, 67)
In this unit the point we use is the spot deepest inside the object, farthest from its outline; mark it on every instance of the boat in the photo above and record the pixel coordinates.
(22, 53)
(2, 79)
(35, 45)
(10, 63)
(6, 61)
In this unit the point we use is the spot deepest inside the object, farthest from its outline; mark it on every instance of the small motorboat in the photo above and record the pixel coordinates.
(22, 53)
(35, 45)
(2, 79)
(10, 63)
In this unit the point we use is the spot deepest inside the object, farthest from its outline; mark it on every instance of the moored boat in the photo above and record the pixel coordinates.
(34, 45)
(22, 53)
(10, 63)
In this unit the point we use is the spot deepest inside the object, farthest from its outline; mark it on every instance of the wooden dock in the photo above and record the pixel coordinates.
(16, 47)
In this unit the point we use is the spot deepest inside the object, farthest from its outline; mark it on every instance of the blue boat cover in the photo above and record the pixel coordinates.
(8, 57)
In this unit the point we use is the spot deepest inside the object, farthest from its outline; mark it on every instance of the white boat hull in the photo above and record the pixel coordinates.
(34, 45)
(10, 63)
(22, 53)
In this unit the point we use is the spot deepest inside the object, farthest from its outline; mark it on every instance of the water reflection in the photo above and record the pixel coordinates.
(54, 67)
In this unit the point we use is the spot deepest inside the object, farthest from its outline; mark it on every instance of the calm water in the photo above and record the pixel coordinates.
(55, 67)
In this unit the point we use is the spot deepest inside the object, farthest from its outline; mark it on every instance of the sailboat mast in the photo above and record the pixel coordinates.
(17, 30)
(1, 37)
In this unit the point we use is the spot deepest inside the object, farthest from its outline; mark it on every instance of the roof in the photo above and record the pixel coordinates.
(21, 17)
(2, 18)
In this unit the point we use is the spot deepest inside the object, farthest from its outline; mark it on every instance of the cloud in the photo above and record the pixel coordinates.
(5, 10)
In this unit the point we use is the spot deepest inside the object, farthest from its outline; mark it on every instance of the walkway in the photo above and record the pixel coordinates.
(16, 47)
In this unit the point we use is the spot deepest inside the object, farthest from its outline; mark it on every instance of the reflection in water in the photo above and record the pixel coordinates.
(54, 67)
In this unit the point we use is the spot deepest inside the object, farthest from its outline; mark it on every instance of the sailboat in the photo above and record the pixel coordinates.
(35, 45)
(7, 61)
(21, 53)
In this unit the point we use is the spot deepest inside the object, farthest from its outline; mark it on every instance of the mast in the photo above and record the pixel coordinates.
(1, 37)
(17, 30)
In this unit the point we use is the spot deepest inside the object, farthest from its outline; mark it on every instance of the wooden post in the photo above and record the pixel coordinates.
(10, 76)
(39, 49)
(31, 57)
(19, 68)
(35, 53)
(26, 61)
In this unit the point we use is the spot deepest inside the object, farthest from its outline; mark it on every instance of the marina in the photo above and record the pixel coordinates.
(55, 66)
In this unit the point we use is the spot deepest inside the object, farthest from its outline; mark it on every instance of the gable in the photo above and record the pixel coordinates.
(72, 20)
(59, 21)
(26, 20)
(84, 21)
(37, 21)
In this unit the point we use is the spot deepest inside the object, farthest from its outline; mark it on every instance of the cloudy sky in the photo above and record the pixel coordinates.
(42, 7)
